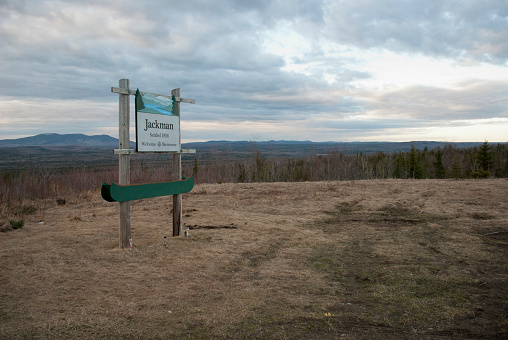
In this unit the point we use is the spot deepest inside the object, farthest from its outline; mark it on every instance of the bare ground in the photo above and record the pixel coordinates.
(392, 259)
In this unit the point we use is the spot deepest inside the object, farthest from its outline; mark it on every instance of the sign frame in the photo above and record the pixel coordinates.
(157, 123)
(124, 152)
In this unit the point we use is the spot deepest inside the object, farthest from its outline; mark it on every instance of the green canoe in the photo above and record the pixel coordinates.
(123, 193)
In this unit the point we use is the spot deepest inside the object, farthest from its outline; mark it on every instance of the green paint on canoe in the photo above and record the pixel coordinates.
(123, 193)
(105, 192)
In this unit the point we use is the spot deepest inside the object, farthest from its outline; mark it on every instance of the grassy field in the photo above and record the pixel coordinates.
(381, 259)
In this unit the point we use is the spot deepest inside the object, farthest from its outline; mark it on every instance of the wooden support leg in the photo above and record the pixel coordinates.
(124, 177)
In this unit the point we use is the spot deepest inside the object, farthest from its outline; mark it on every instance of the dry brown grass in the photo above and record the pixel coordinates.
(367, 259)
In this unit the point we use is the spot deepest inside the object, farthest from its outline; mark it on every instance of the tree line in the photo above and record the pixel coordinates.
(487, 160)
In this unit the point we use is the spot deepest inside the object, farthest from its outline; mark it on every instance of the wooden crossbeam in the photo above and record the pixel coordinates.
(133, 93)
(133, 151)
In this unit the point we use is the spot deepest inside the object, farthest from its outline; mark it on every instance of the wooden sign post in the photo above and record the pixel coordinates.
(124, 191)
(124, 162)
(177, 174)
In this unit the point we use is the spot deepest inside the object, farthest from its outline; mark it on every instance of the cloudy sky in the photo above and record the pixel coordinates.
(320, 70)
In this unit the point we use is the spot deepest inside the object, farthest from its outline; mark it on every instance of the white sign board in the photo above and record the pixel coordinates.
(157, 132)
(157, 126)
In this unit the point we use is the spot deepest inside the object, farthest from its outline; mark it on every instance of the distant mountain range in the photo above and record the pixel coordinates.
(308, 148)
(55, 139)
(52, 149)
(288, 148)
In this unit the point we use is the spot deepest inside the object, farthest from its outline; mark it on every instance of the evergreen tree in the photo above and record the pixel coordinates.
(484, 162)
(505, 170)
(456, 168)
(497, 167)
(425, 162)
(439, 168)
(415, 166)
(242, 174)
(260, 167)
(469, 162)
(195, 168)
(398, 166)
(379, 165)
(485, 157)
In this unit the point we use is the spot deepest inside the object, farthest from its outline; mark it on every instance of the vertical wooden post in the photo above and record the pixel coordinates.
(124, 177)
(177, 175)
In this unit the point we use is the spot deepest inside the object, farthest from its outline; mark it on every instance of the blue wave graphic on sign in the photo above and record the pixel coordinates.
(154, 104)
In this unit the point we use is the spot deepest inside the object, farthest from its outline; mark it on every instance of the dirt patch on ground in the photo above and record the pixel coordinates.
(369, 259)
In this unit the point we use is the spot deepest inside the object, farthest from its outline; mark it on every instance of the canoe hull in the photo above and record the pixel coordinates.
(123, 193)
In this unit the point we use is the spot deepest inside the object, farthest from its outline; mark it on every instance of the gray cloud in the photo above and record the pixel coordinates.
(68, 54)
(457, 29)
(85, 44)
(472, 100)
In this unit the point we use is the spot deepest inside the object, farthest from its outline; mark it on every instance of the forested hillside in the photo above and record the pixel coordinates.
(484, 161)
(476, 162)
